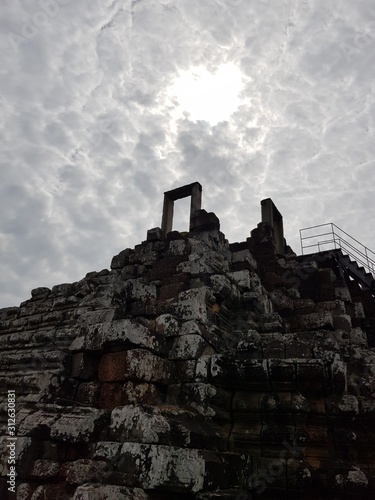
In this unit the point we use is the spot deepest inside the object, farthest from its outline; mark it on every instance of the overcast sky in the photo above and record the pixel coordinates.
(106, 104)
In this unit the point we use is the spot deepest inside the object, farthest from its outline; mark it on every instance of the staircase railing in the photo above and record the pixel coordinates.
(329, 236)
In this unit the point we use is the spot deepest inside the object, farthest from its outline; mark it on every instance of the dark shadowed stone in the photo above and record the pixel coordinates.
(122, 259)
(154, 234)
(40, 293)
(83, 471)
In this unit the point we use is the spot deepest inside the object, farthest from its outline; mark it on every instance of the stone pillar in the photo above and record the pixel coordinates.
(194, 190)
(167, 219)
(273, 217)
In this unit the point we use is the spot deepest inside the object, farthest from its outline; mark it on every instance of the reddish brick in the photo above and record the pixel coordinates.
(135, 364)
(166, 267)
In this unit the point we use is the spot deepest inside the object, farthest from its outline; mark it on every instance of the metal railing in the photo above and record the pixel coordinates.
(331, 237)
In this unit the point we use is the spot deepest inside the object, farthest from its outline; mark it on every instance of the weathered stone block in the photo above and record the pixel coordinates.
(190, 347)
(271, 323)
(273, 345)
(78, 427)
(122, 259)
(9, 313)
(242, 279)
(88, 393)
(312, 321)
(83, 471)
(44, 469)
(84, 365)
(177, 247)
(225, 470)
(49, 491)
(192, 304)
(202, 369)
(185, 370)
(172, 290)
(334, 306)
(230, 494)
(246, 434)
(164, 467)
(206, 399)
(135, 364)
(37, 424)
(282, 374)
(339, 379)
(134, 423)
(138, 289)
(40, 293)
(24, 491)
(345, 406)
(310, 376)
(275, 404)
(117, 394)
(124, 331)
(299, 345)
(342, 293)
(354, 482)
(358, 337)
(324, 278)
(248, 373)
(167, 325)
(304, 306)
(154, 234)
(342, 322)
(107, 451)
(223, 288)
(166, 267)
(282, 302)
(247, 402)
(268, 473)
(244, 256)
(299, 475)
(101, 492)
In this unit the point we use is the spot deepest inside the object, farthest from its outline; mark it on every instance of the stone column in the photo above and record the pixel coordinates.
(273, 217)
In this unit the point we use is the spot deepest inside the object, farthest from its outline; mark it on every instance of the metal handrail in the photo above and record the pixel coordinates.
(362, 255)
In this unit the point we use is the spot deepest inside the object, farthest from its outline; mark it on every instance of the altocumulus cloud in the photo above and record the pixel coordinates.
(97, 124)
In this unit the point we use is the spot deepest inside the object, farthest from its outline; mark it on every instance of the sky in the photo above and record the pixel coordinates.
(106, 104)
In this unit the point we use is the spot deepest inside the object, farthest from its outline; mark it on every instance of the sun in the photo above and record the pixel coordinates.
(212, 97)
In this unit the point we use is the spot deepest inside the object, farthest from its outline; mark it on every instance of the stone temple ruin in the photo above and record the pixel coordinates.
(195, 369)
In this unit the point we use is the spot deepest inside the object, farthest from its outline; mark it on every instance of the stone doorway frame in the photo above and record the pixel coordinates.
(194, 190)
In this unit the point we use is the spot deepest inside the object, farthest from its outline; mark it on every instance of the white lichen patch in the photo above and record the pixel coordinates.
(174, 466)
(192, 304)
(133, 423)
(349, 404)
(167, 325)
(76, 427)
(357, 477)
(95, 336)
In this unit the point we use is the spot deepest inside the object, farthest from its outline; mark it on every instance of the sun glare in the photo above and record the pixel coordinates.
(212, 97)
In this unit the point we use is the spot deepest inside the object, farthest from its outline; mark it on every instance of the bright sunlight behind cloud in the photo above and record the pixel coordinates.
(212, 97)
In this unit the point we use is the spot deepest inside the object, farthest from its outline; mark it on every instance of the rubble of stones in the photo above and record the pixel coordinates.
(194, 369)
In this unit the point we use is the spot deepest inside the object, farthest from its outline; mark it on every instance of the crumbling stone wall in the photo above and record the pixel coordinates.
(194, 369)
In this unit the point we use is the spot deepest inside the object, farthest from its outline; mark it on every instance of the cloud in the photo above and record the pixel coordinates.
(92, 135)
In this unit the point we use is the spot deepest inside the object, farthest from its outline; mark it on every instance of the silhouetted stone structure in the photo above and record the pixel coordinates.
(195, 369)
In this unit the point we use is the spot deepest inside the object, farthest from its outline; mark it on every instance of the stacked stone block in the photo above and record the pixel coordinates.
(194, 369)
